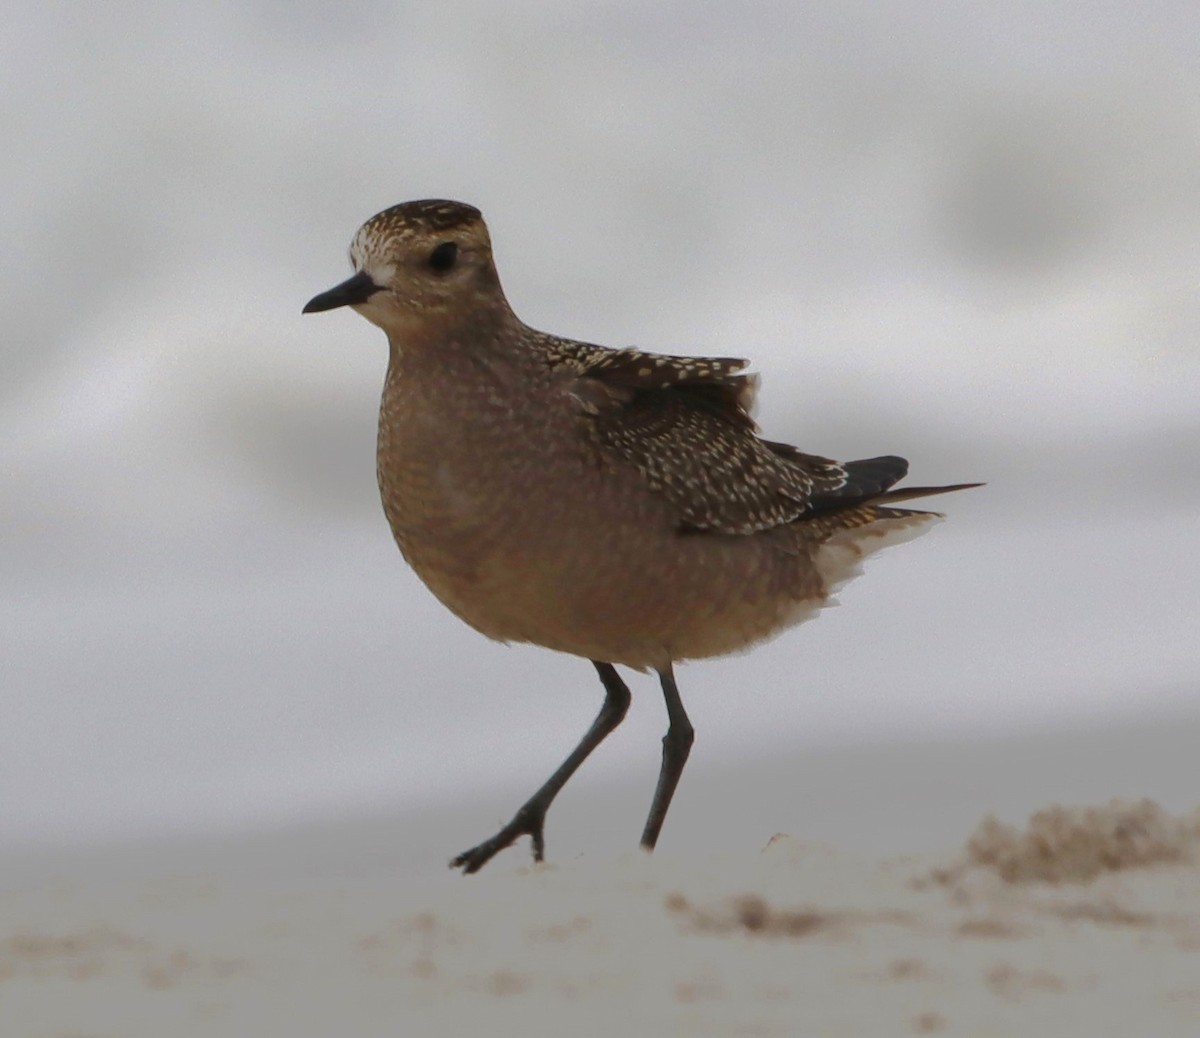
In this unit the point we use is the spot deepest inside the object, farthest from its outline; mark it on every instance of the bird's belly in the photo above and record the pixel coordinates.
(570, 573)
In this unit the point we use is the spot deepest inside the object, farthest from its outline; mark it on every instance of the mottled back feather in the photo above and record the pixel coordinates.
(685, 424)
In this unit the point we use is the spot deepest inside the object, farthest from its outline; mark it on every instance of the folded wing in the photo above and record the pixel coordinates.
(684, 423)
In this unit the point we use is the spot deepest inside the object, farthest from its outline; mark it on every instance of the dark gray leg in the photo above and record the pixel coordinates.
(677, 744)
(528, 821)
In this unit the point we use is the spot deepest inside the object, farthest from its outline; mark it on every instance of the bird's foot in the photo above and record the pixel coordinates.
(526, 822)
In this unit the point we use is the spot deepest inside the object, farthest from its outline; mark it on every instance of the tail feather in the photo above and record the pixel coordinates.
(908, 493)
(869, 481)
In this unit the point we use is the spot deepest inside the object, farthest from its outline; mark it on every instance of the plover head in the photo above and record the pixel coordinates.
(415, 261)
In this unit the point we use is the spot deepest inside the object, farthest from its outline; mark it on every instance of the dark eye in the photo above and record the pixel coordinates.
(444, 256)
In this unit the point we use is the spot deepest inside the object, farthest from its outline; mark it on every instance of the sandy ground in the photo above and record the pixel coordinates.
(1079, 921)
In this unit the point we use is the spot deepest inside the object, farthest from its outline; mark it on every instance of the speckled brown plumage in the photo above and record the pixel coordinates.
(610, 503)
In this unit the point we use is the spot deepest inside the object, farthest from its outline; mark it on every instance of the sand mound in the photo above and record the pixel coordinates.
(1077, 844)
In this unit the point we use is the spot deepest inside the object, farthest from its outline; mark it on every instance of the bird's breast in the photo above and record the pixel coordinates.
(467, 469)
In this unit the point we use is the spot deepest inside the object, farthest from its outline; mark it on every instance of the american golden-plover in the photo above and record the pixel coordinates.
(608, 503)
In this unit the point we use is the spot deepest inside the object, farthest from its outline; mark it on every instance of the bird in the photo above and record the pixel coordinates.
(610, 503)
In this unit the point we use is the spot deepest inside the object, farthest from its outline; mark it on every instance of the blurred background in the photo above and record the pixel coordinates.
(964, 233)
